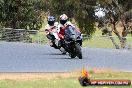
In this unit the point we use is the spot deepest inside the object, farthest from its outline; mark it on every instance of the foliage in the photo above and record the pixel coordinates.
(20, 14)
(81, 11)
(117, 13)
(29, 14)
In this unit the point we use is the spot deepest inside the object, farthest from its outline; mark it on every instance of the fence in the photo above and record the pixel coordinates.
(34, 36)
(13, 35)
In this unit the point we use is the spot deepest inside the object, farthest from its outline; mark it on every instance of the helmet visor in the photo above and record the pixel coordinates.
(63, 21)
(51, 23)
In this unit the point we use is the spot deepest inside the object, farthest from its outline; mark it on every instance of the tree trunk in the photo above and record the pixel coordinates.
(124, 33)
(121, 38)
(113, 41)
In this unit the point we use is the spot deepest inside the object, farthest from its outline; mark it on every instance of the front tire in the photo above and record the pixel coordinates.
(72, 55)
(78, 51)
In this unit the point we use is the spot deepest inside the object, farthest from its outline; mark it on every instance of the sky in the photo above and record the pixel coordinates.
(99, 13)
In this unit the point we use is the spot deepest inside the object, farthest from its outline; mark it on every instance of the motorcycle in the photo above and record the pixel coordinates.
(52, 39)
(73, 42)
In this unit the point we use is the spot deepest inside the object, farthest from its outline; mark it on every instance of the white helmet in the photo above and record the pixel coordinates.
(63, 17)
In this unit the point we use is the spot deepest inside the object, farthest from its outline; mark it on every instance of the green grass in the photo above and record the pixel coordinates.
(103, 42)
(58, 83)
(98, 42)
(40, 38)
(71, 82)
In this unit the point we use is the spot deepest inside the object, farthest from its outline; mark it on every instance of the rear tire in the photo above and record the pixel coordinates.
(78, 51)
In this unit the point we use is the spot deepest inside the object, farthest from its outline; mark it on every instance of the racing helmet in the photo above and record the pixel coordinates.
(51, 20)
(63, 19)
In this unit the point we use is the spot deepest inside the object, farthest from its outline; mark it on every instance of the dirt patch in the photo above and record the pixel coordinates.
(35, 76)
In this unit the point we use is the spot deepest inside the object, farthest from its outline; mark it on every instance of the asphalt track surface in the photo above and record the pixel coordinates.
(22, 57)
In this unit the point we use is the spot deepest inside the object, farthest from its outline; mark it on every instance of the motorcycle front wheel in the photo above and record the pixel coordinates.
(78, 51)
(72, 55)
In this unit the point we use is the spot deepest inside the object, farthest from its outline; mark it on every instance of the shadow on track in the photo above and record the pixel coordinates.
(56, 54)
(59, 54)
(66, 58)
(50, 54)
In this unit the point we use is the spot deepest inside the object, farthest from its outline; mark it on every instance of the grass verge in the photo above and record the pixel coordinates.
(58, 80)
(104, 42)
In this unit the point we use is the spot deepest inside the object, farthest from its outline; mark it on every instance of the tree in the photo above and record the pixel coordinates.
(118, 12)
(20, 14)
(81, 10)
(28, 13)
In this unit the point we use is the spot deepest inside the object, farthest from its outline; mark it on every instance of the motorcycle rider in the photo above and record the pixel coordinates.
(51, 31)
(63, 24)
